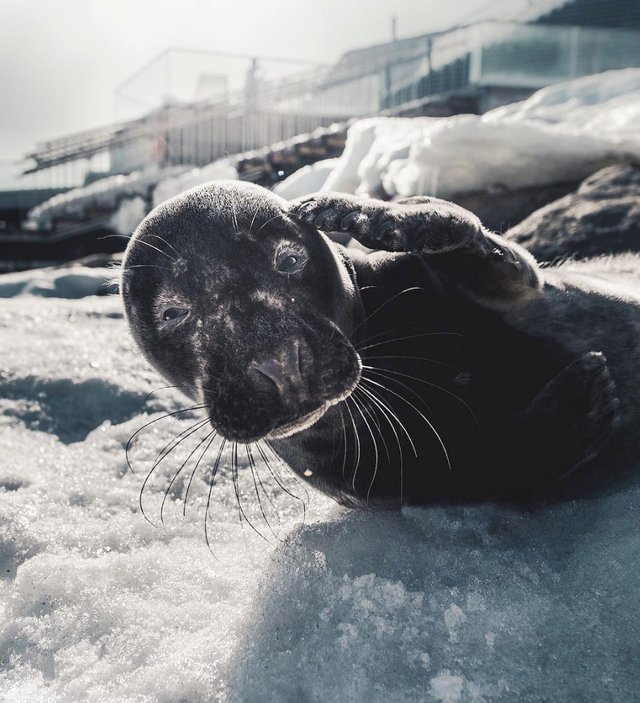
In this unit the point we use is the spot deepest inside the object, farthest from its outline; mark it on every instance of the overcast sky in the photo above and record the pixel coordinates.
(60, 60)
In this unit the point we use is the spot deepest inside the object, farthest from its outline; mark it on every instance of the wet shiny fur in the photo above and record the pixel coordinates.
(446, 366)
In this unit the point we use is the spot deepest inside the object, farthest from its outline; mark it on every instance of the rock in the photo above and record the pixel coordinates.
(501, 208)
(601, 217)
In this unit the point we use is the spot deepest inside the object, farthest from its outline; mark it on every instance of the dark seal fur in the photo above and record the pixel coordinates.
(444, 366)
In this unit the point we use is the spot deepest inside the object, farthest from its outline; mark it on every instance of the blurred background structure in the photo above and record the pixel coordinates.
(271, 116)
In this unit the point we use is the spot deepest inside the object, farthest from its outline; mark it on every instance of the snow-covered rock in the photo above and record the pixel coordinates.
(562, 133)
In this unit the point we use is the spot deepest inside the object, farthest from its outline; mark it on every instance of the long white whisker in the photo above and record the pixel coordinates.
(211, 482)
(433, 429)
(193, 473)
(383, 305)
(428, 383)
(383, 408)
(164, 241)
(179, 471)
(357, 438)
(164, 253)
(375, 445)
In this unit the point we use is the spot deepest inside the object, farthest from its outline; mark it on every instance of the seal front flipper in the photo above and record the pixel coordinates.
(569, 422)
(485, 266)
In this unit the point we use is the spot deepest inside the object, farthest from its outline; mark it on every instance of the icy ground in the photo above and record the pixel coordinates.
(450, 604)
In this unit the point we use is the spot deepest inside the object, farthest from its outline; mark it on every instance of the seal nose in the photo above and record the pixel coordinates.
(283, 370)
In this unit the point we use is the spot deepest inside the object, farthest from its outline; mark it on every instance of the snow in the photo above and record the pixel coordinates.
(72, 282)
(562, 133)
(104, 194)
(129, 197)
(129, 215)
(174, 185)
(454, 604)
(308, 179)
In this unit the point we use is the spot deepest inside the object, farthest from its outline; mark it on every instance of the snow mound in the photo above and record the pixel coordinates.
(174, 185)
(562, 133)
(308, 179)
(76, 282)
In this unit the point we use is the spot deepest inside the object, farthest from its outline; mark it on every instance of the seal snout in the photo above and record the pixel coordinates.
(284, 370)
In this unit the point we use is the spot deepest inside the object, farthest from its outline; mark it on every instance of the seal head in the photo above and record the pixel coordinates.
(246, 310)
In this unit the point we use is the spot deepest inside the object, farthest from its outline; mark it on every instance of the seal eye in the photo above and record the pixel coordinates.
(174, 314)
(286, 262)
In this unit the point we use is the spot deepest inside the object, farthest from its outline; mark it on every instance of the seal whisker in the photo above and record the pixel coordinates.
(257, 480)
(393, 414)
(344, 437)
(385, 371)
(276, 478)
(275, 217)
(413, 336)
(234, 216)
(387, 302)
(253, 219)
(157, 390)
(234, 479)
(414, 358)
(381, 406)
(287, 468)
(123, 269)
(375, 446)
(164, 241)
(372, 413)
(193, 473)
(374, 370)
(197, 425)
(164, 253)
(165, 451)
(433, 429)
(157, 419)
(214, 471)
(179, 471)
(357, 438)
(236, 486)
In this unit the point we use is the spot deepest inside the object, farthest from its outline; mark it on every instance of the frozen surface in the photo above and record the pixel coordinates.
(455, 604)
(563, 133)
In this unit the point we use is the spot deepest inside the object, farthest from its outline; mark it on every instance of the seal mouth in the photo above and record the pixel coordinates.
(306, 421)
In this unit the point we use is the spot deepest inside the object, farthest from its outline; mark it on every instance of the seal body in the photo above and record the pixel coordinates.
(444, 365)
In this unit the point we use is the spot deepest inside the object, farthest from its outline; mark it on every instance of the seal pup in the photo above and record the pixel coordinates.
(445, 365)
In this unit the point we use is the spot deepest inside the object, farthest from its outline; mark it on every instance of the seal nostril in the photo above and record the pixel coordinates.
(284, 370)
(274, 372)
